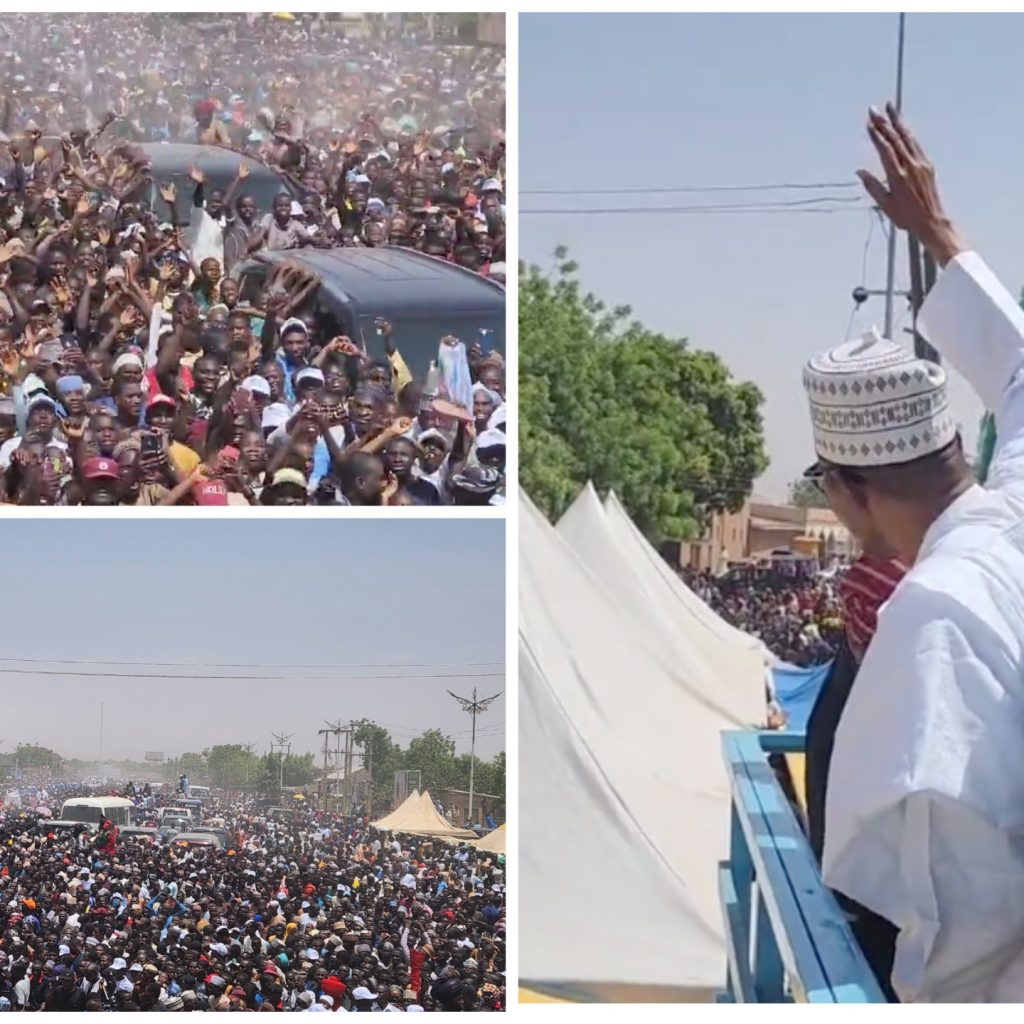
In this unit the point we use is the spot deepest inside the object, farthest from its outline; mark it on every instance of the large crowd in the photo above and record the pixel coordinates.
(316, 912)
(799, 620)
(134, 369)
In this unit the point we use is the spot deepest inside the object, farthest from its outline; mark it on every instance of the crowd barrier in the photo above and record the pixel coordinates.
(786, 938)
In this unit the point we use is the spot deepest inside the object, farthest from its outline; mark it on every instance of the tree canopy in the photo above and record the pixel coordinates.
(805, 494)
(231, 766)
(604, 399)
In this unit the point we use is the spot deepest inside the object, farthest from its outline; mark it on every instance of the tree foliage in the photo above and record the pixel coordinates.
(805, 494)
(231, 766)
(604, 399)
(433, 754)
(31, 755)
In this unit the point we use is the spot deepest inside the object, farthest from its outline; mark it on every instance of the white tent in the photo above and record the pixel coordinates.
(418, 816)
(655, 567)
(623, 795)
(727, 678)
(493, 842)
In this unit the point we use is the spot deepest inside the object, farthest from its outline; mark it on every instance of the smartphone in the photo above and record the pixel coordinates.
(483, 332)
(150, 444)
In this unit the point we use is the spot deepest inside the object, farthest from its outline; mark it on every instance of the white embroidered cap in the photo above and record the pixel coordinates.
(873, 403)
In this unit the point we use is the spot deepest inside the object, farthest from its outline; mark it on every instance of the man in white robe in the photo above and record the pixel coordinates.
(925, 804)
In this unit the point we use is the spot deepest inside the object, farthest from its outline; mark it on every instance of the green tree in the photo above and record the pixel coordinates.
(191, 764)
(805, 494)
(31, 755)
(299, 769)
(231, 766)
(494, 773)
(604, 399)
(433, 754)
(384, 757)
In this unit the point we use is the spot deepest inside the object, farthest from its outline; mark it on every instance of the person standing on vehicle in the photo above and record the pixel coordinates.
(924, 815)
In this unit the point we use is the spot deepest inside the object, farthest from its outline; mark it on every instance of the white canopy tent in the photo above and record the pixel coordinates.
(654, 568)
(493, 842)
(727, 677)
(624, 799)
(418, 816)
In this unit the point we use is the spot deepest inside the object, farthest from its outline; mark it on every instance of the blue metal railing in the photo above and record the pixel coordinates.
(787, 939)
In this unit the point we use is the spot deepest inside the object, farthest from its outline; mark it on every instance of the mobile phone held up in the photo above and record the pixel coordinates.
(150, 444)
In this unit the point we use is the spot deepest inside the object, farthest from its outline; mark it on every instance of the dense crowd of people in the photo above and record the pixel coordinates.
(800, 622)
(315, 912)
(134, 368)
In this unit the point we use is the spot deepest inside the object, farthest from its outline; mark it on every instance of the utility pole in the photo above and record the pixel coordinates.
(890, 270)
(368, 759)
(102, 707)
(474, 707)
(284, 748)
(248, 757)
(347, 733)
(333, 729)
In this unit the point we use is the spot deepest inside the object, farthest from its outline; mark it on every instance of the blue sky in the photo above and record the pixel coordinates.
(644, 101)
(321, 592)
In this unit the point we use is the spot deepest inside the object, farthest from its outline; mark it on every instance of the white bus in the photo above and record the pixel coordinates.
(92, 810)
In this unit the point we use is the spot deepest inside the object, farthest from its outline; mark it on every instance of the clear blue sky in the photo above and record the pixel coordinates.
(281, 594)
(669, 100)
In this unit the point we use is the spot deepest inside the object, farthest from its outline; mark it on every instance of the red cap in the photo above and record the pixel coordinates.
(210, 492)
(99, 468)
(160, 399)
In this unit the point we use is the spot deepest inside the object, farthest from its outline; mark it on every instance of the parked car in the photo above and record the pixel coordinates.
(171, 824)
(200, 839)
(424, 298)
(214, 830)
(171, 162)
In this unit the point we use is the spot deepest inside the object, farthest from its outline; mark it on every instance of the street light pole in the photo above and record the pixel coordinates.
(890, 270)
(473, 707)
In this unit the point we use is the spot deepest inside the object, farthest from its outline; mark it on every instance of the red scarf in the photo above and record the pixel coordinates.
(867, 585)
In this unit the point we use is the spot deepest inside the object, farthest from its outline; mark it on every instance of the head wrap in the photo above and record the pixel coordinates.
(867, 585)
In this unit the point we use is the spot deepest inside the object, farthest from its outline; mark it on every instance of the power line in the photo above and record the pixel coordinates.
(751, 209)
(214, 664)
(204, 675)
(776, 187)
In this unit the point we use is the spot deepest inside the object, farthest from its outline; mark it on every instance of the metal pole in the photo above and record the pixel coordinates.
(890, 271)
(102, 706)
(472, 763)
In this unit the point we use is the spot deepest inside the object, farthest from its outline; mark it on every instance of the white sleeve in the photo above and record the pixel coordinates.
(975, 323)
(921, 822)
(156, 320)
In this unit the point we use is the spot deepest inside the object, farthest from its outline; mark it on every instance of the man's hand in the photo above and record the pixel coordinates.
(10, 361)
(169, 192)
(343, 344)
(243, 171)
(398, 426)
(911, 200)
(196, 175)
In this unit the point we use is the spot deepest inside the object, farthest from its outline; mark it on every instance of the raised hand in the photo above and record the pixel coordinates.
(910, 197)
(169, 192)
(243, 171)
(9, 361)
(196, 175)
